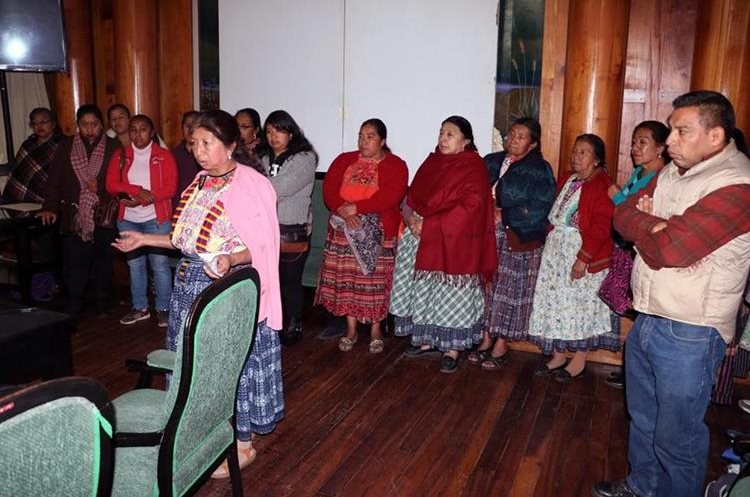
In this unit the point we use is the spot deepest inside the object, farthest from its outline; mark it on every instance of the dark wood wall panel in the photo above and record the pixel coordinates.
(597, 40)
(104, 53)
(658, 66)
(176, 69)
(552, 93)
(722, 54)
(137, 56)
(75, 87)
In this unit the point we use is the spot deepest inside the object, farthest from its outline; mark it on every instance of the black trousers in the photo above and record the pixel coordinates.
(79, 258)
(291, 267)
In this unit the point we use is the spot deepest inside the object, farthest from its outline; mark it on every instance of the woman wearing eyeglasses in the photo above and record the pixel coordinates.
(28, 178)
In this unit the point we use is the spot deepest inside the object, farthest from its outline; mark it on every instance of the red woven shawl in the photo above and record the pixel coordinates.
(452, 193)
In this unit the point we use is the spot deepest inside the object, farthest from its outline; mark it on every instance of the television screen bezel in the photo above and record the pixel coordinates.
(44, 67)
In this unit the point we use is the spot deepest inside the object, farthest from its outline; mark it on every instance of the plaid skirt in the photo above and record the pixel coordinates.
(260, 397)
(434, 313)
(342, 287)
(512, 294)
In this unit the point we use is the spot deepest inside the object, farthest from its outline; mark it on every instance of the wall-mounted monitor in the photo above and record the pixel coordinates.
(32, 36)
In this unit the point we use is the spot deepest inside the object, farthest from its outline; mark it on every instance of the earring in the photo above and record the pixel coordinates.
(229, 156)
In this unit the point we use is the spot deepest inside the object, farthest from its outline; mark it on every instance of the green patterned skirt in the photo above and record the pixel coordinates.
(439, 310)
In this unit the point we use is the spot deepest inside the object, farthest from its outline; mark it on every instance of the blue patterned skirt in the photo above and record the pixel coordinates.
(509, 301)
(260, 397)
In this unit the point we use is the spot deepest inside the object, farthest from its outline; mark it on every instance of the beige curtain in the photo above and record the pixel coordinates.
(26, 90)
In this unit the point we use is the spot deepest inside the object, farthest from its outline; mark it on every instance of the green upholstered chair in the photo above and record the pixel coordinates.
(318, 235)
(168, 442)
(741, 488)
(56, 439)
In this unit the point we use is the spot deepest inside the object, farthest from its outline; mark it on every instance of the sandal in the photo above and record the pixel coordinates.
(479, 356)
(377, 346)
(346, 344)
(491, 363)
(244, 455)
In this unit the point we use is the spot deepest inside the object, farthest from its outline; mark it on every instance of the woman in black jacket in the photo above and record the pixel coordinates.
(524, 188)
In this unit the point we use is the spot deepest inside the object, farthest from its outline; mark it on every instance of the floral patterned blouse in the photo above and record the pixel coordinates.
(201, 224)
(360, 180)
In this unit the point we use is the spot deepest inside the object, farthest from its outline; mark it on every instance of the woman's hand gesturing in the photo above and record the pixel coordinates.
(128, 241)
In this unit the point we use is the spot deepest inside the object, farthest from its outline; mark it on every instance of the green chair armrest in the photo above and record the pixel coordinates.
(161, 359)
(140, 411)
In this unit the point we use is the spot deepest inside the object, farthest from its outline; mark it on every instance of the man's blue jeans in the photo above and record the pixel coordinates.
(670, 369)
(159, 261)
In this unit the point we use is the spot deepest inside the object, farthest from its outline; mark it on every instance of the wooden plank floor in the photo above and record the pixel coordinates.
(362, 425)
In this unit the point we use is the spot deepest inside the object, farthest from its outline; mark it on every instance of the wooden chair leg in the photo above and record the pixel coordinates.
(234, 470)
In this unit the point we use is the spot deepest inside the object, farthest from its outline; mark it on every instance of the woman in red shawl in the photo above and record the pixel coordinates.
(448, 252)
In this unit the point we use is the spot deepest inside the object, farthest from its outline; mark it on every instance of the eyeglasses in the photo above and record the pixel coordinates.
(39, 123)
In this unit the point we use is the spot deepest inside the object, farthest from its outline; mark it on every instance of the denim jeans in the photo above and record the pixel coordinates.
(670, 369)
(159, 261)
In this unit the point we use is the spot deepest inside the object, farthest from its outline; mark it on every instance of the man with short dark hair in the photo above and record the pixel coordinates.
(691, 229)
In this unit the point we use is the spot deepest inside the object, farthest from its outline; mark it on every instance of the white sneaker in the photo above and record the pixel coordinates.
(744, 405)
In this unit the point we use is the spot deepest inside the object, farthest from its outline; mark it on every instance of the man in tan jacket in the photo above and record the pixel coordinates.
(691, 230)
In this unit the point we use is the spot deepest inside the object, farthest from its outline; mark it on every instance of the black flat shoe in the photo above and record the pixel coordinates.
(616, 381)
(417, 351)
(289, 338)
(448, 364)
(292, 333)
(564, 376)
(543, 370)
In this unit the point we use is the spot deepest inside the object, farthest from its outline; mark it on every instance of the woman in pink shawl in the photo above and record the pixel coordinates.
(229, 210)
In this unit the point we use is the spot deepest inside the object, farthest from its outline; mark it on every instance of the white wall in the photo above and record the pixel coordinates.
(285, 54)
(334, 63)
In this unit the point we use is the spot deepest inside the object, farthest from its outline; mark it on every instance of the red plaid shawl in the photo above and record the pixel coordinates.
(28, 177)
(87, 169)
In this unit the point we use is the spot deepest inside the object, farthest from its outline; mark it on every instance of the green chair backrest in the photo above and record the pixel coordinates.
(318, 235)
(200, 403)
(741, 488)
(56, 439)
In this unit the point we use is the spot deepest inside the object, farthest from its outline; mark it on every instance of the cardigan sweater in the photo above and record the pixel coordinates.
(393, 177)
(63, 184)
(525, 193)
(595, 210)
(163, 174)
(293, 183)
(250, 203)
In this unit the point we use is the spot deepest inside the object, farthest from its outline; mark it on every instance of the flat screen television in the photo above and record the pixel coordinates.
(32, 36)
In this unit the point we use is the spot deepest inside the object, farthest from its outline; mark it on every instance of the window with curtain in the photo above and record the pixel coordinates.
(26, 91)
